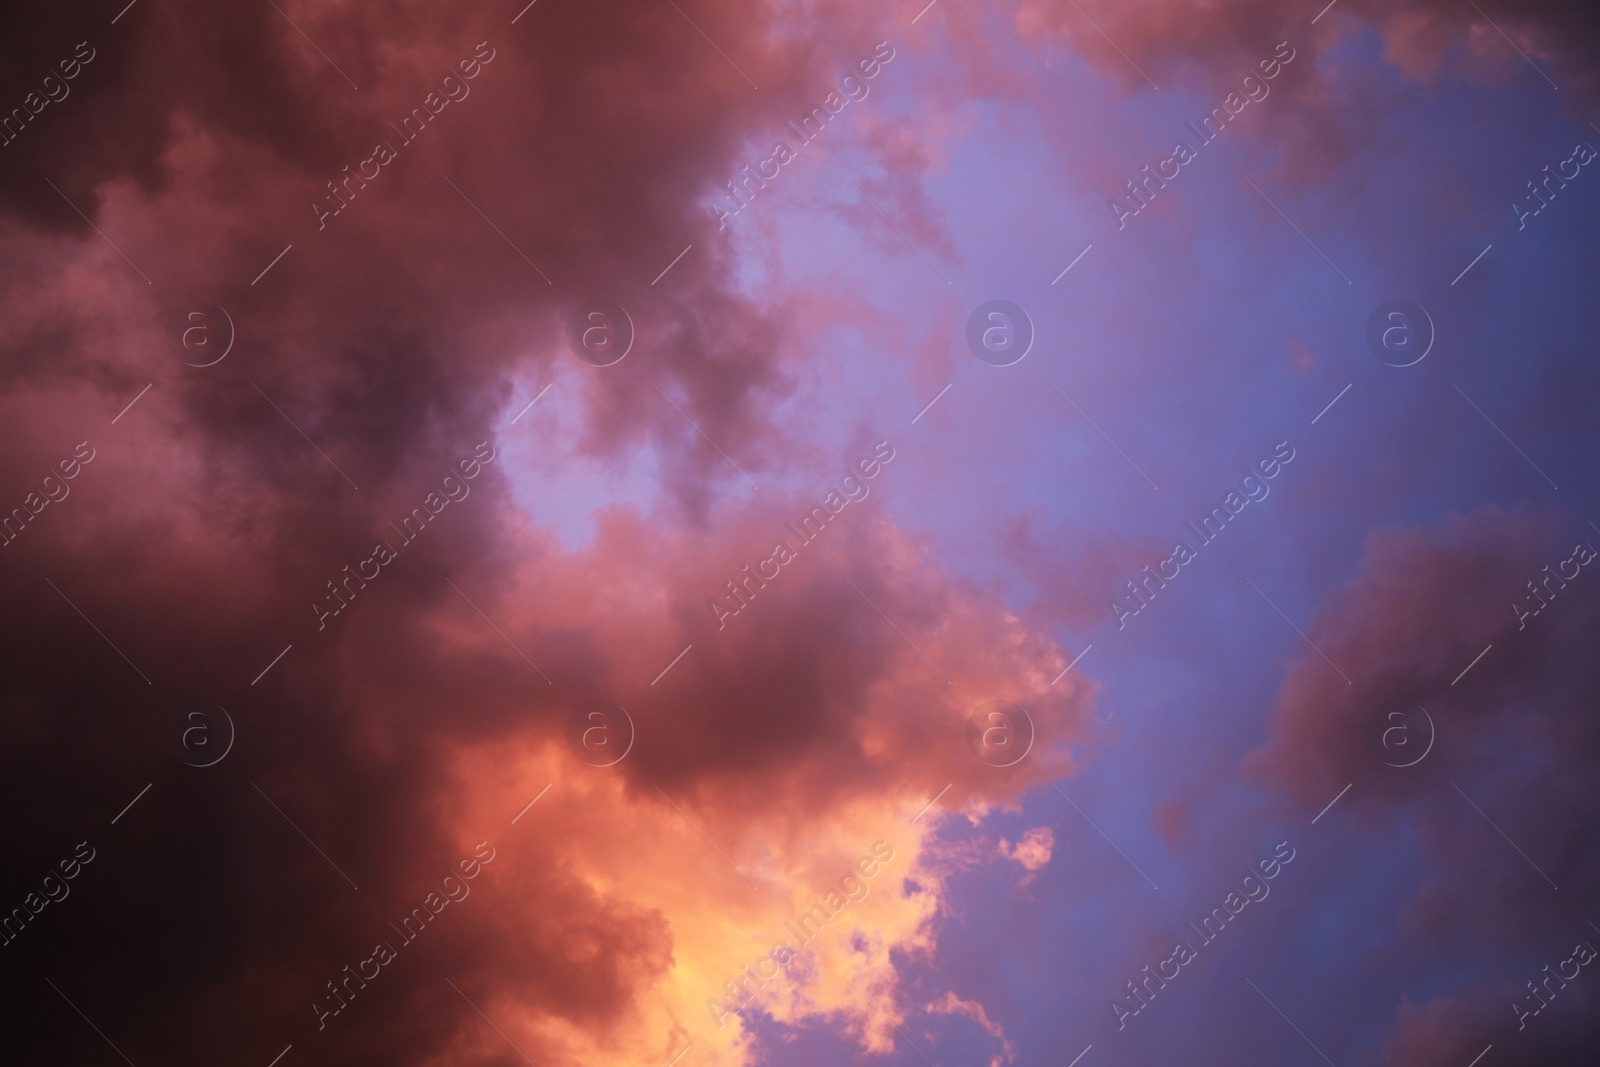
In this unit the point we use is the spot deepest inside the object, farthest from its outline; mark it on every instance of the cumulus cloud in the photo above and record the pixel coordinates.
(1502, 804)
(1032, 851)
(377, 352)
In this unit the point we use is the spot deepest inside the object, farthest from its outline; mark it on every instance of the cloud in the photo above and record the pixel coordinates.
(1166, 38)
(950, 1004)
(1426, 603)
(1032, 850)
(376, 352)
(1323, 116)
(785, 745)
(1502, 805)
(777, 750)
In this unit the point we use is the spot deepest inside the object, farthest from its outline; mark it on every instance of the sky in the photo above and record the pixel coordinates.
(710, 533)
